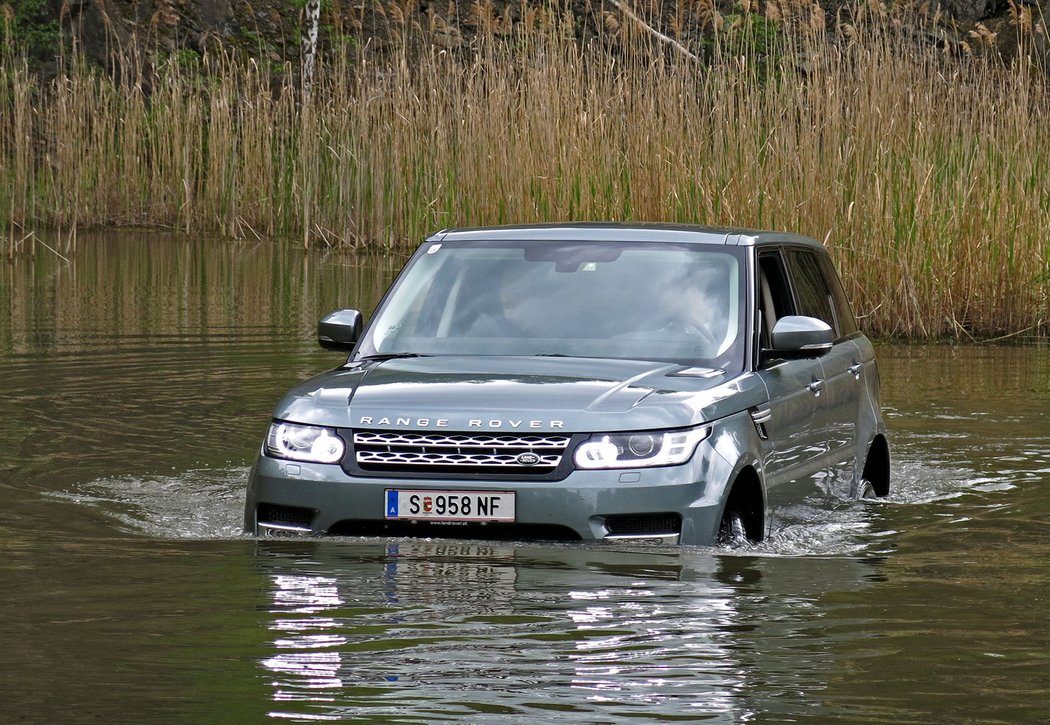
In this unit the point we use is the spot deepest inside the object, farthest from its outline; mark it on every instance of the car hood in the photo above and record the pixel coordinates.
(538, 394)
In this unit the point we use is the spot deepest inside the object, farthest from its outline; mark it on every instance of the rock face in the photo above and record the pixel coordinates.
(269, 30)
(100, 26)
(972, 10)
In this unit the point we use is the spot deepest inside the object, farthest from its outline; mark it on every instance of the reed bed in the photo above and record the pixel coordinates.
(927, 176)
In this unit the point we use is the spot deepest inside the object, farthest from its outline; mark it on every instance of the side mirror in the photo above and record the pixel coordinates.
(796, 336)
(339, 330)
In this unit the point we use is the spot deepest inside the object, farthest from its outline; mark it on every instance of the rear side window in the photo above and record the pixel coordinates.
(847, 323)
(814, 296)
(820, 292)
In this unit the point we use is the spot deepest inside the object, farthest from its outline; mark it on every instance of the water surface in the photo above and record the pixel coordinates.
(137, 381)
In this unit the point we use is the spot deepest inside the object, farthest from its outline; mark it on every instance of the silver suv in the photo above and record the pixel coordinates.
(582, 382)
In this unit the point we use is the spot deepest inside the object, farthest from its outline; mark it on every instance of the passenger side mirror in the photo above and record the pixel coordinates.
(795, 336)
(339, 330)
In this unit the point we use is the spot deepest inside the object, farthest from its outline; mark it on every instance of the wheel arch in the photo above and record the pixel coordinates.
(877, 465)
(747, 496)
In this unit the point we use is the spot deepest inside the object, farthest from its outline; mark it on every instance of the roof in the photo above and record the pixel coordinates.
(622, 232)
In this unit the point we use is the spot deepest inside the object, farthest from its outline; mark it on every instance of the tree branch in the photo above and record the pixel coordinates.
(623, 8)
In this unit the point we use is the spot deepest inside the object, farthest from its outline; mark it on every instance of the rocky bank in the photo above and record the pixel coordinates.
(271, 30)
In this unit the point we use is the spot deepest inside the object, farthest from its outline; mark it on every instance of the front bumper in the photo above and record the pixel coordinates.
(315, 499)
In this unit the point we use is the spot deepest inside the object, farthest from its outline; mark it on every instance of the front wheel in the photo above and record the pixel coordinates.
(732, 533)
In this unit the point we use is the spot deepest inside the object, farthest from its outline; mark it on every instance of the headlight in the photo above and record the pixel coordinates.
(304, 443)
(639, 450)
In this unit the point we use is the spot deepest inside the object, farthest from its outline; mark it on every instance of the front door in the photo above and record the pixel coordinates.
(797, 422)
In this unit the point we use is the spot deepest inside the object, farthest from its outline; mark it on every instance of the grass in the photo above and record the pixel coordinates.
(927, 176)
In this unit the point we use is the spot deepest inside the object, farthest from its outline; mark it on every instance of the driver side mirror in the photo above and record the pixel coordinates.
(339, 330)
(796, 336)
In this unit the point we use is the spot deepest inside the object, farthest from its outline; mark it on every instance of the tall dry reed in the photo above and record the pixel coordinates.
(928, 177)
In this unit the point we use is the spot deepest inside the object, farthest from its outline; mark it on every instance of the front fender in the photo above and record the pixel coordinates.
(737, 442)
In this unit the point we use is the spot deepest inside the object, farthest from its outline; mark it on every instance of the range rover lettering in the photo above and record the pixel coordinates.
(582, 382)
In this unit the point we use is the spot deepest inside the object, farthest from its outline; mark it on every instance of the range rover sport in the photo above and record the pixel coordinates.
(581, 382)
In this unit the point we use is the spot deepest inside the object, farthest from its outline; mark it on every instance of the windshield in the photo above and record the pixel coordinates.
(641, 301)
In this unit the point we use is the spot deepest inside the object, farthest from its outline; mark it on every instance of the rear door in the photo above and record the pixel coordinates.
(819, 295)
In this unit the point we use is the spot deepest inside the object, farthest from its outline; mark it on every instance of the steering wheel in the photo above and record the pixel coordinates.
(676, 325)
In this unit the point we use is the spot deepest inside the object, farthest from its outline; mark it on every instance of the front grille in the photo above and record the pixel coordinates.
(459, 452)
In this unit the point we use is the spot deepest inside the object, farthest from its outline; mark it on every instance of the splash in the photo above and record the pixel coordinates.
(194, 504)
(207, 504)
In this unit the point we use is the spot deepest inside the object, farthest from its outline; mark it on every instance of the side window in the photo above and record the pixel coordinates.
(847, 323)
(814, 297)
(774, 294)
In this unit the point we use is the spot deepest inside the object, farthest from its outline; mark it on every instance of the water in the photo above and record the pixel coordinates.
(136, 384)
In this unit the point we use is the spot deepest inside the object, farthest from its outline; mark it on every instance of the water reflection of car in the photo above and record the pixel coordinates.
(362, 630)
(582, 382)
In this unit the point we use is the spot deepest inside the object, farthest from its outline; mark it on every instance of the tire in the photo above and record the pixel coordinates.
(732, 533)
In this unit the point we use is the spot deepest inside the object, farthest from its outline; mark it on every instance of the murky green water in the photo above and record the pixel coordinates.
(136, 381)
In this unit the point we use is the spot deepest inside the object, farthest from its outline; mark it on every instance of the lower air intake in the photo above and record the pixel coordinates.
(644, 525)
(427, 529)
(295, 516)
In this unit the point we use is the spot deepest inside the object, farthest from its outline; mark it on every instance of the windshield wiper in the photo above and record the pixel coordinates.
(381, 356)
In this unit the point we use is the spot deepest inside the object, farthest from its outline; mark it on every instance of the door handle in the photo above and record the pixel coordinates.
(855, 369)
(816, 386)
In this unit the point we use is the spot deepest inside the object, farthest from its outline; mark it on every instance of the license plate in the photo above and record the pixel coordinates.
(450, 505)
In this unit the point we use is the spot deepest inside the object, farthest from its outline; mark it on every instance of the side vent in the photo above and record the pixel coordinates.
(761, 416)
